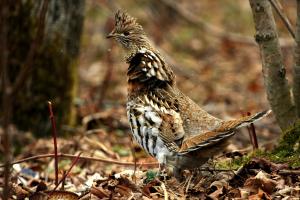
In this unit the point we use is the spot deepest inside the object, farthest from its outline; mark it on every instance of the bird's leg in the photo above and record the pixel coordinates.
(178, 174)
(162, 171)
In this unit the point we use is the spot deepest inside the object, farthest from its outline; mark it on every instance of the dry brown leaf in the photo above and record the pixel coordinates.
(99, 192)
(260, 181)
(261, 195)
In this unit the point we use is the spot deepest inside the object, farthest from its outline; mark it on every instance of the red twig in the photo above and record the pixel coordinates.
(69, 170)
(54, 136)
(252, 134)
(62, 155)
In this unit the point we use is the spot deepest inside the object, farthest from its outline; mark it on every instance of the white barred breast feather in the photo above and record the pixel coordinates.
(147, 122)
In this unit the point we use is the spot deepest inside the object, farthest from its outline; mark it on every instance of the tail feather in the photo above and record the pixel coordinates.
(225, 130)
(241, 122)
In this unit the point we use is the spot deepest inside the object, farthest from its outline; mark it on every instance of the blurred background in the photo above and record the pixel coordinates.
(209, 44)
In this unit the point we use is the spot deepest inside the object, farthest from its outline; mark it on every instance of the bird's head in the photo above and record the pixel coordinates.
(128, 32)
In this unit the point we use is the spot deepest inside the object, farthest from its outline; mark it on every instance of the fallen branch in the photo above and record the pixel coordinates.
(62, 155)
(289, 172)
(88, 158)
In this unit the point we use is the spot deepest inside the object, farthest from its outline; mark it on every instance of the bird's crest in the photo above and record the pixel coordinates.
(123, 21)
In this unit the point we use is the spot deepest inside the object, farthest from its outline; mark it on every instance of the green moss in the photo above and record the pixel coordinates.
(288, 150)
(234, 163)
(150, 176)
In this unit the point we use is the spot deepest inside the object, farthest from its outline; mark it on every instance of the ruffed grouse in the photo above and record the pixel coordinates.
(164, 121)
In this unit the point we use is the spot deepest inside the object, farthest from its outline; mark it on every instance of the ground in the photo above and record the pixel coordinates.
(221, 74)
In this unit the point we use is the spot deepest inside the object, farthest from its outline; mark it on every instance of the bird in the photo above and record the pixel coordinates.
(165, 122)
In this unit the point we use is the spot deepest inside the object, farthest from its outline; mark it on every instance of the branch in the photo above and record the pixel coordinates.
(214, 30)
(278, 8)
(54, 136)
(68, 172)
(296, 67)
(62, 155)
(276, 84)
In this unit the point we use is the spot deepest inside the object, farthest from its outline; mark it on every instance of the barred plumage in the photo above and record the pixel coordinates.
(164, 121)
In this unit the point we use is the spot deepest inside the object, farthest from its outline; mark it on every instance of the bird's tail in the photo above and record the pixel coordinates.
(244, 121)
(225, 130)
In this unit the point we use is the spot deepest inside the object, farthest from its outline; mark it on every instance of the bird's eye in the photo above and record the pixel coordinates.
(126, 33)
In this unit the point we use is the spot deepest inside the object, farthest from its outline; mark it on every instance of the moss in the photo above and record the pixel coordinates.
(234, 163)
(288, 150)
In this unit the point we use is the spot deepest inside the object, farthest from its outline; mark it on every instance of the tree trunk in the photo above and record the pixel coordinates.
(53, 72)
(276, 84)
(52, 68)
(296, 75)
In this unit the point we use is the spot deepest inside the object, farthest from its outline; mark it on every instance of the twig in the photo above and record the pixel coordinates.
(289, 172)
(54, 136)
(188, 183)
(278, 8)
(68, 172)
(251, 138)
(211, 29)
(252, 134)
(99, 145)
(166, 196)
(25, 69)
(62, 155)
(93, 131)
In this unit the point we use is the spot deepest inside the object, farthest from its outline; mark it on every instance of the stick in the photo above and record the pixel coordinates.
(67, 173)
(278, 8)
(54, 136)
(211, 29)
(252, 132)
(62, 155)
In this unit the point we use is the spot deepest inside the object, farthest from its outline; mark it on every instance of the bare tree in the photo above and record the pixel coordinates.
(278, 90)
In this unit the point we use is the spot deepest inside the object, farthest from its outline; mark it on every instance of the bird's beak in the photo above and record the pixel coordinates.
(111, 34)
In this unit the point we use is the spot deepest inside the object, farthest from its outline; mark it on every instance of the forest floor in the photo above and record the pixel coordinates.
(222, 74)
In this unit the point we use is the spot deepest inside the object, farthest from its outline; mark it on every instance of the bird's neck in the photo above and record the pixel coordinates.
(147, 70)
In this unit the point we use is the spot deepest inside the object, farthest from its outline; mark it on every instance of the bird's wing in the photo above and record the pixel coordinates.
(225, 130)
(146, 65)
(163, 114)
